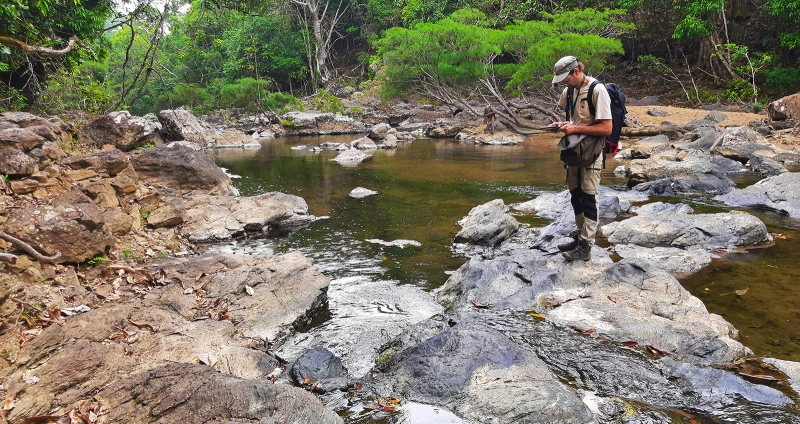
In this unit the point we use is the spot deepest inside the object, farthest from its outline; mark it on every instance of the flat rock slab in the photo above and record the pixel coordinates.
(628, 300)
(690, 231)
(780, 193)
(188, 311)
(210, 218)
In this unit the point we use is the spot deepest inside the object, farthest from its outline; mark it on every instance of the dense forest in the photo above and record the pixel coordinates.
(101, 55)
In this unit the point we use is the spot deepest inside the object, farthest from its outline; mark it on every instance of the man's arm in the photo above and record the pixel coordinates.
(602, 127)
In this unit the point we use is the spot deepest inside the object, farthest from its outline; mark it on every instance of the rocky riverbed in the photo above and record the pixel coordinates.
(110, 313)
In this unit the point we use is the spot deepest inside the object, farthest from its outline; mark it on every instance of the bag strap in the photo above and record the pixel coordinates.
(570, 93)
(590, 97)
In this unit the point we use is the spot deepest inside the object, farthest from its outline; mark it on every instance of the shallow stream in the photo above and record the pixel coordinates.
(424, 187)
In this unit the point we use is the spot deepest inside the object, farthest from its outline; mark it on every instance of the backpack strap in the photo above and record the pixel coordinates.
(590, 97)
(570, 93)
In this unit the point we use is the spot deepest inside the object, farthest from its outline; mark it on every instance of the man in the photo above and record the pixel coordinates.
(582, 181)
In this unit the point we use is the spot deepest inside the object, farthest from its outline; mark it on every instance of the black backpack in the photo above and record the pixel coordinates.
(618, 112)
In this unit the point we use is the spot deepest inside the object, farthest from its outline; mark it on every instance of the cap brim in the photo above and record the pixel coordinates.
(560, 77)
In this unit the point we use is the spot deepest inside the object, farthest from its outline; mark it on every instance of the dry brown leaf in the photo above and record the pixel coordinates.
(630, 343)
(760, 377)
(741, 292)
(307, 380)
(479, 305)
(142, 325)
(9, 404)
(41, 419)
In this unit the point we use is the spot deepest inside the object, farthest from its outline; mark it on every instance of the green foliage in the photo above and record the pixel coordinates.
(738, 90)
(47, 23)
(97, 260)
(282, 102)
(287, 123)
(245, 92)
(324, 101)
(788, 9)
(147, 145)
(461, 51)
(355, 110)
(781, 81)
(758, 107)
(11, 99)
(72, 89)
(195, 98)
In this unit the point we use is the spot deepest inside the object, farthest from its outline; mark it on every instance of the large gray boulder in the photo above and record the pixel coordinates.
(121, 130)
(627, 300)
(670, 226)
(180, 124)
(785, 108)
(110, 162)
(778, 193)
(479, 372)
(690, 173)
(487, 225)
(211, 218)
(314, 123)
(179, 167)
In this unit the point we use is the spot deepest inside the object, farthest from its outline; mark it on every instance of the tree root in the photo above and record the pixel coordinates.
(5, 257)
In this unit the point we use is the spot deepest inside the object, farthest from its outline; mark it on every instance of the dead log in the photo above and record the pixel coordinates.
(655, 130)
(27, 249)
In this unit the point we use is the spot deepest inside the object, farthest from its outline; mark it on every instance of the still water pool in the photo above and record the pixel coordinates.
(425, 186)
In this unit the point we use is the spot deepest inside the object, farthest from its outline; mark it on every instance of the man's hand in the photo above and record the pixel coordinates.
(603, 127)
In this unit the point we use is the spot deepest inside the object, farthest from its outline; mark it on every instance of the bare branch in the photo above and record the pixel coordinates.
(28, 249)
(47, 51)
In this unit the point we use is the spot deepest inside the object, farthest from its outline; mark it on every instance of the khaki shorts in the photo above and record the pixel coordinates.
(588, 179)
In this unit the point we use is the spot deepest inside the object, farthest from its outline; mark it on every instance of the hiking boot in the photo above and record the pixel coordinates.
(583, 252)
(572, 244)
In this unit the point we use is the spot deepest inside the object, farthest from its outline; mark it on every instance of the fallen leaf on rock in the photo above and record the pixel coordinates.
(307, 380)
(760, 377)
(207, 358)
(479, 305)
(9, 404)
(141, 325)
(249, 290)
(778, 235)
(630, 343)
(741, 292)
(41, 419)
(75, 310)
(654, 351)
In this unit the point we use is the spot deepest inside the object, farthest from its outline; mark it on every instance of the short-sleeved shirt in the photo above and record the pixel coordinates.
(581, 115)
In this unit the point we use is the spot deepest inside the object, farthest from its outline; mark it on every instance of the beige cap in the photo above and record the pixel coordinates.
(563, 67)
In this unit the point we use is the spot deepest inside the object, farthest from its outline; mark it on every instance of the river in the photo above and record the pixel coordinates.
(424, 187)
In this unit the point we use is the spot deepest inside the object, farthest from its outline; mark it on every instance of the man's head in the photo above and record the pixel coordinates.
(564, 67)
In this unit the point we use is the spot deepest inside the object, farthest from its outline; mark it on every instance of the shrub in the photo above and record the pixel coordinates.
(782, 81)
(282, 102)
(245, 93)
(324, 101)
